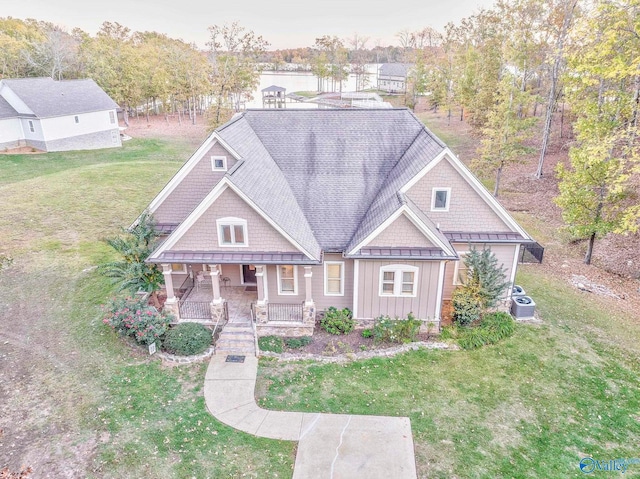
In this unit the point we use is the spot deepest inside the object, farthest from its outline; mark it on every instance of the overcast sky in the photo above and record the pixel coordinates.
(284, 23)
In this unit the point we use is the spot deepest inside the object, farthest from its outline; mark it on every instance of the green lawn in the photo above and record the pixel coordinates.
(88, 403)
(532, 406)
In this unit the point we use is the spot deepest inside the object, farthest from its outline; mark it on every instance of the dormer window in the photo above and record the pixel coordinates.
(219, 163)
(440, 199)
(232, 232)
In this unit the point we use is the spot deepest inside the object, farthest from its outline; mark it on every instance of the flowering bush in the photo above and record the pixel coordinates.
(396, 330)
(134, 317)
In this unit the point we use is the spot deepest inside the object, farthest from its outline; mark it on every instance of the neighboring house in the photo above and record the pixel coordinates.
(364, 209)
(392, 77)
(57, 115)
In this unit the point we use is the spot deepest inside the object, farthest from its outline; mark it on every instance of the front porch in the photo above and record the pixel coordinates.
(209, 297)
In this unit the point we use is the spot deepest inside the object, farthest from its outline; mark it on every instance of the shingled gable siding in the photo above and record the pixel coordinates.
(402, 232)
(467, 210)
(317, 284)
(371, 304)
(203, 235)
(193, 188)
(504, 253)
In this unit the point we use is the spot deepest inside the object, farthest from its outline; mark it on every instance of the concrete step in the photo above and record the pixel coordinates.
(239, 352)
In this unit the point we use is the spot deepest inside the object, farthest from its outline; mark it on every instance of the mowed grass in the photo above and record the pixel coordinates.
(530, 407)
(74, 398)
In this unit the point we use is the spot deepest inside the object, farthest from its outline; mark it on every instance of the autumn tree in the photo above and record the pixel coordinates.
(234, 53)
(596, 190)
(331, 61)
(54, 55)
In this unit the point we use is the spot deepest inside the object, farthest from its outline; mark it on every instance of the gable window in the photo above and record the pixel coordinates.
(77, 120)
(232, 232)
(460, 271)
(31, 128)
(287, 279)
(440, 199)
(112, 117)
(334, 278)
(219, 163)
(398, 280)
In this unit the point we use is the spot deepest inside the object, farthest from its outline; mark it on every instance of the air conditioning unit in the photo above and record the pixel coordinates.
(518, 290)
(522, 307)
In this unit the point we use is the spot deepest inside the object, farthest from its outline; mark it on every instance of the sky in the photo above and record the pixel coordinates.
(283, 23)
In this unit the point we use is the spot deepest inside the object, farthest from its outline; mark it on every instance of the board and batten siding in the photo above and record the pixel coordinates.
(505, 253)
(371, 304)
(468, 211)
(317, 285)
(193, 188)
(261, 236)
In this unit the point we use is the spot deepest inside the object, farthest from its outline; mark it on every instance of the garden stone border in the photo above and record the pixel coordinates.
(347, 357)
(196, 358)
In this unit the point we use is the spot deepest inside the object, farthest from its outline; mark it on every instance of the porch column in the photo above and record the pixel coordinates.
(261, 271)
(214, 271)
(171, 304)
(168, 282)
(308, 297)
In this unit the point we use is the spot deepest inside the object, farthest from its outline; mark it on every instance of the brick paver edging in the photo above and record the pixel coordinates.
(196, 358)
(343, 358)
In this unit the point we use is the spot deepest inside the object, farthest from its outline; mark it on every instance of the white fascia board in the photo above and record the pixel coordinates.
(188, 166)
(204, 206)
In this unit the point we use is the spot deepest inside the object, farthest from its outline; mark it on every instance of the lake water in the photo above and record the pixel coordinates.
(303, 81)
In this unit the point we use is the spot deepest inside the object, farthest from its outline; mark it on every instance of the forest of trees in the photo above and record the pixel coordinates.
(510, 71)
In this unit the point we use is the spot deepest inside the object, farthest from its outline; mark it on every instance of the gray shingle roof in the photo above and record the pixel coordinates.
(6, 110)
(48, 98)
(274, 88)
(394, 69)
(337, 162)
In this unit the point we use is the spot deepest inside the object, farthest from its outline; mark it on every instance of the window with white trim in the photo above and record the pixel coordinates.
(178, 268)
(31, 127)
(399, 280)
(219, 163)
(112, 117)
(440, 198)
(232, 232)
(460, 271)
(287, 279)
(334, 278)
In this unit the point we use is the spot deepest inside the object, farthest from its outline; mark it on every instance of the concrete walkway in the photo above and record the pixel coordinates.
(332, 446)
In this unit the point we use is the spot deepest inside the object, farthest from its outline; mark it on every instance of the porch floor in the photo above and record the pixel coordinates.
(238, 299)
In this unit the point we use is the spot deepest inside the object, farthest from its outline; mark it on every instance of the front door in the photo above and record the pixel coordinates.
(248, 274)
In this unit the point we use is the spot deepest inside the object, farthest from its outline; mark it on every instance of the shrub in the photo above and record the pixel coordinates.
(274, 344)
(467, 304)
(396, 330)
(187, 339)
(297, 343)
(485, 272)
(367, 333)
(493, 328)
(449, 332)
(338, 321)
(135, 318)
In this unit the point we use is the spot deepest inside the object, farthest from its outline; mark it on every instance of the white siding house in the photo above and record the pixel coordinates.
(57, 115)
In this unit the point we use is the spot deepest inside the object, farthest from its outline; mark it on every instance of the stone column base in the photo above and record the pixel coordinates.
(262, 315)
(309, 314)
(171, 306)
(218, 312)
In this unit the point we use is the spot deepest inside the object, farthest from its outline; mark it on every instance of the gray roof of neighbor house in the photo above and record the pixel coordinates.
(48, 98)
(394, 69)
(274, 88)
(6, 110)
(328, 177)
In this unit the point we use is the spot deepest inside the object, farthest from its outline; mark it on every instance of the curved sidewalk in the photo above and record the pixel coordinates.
(330, 445)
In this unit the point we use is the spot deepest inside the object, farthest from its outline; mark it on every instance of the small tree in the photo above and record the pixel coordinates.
(132, 273)
(485, 283)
